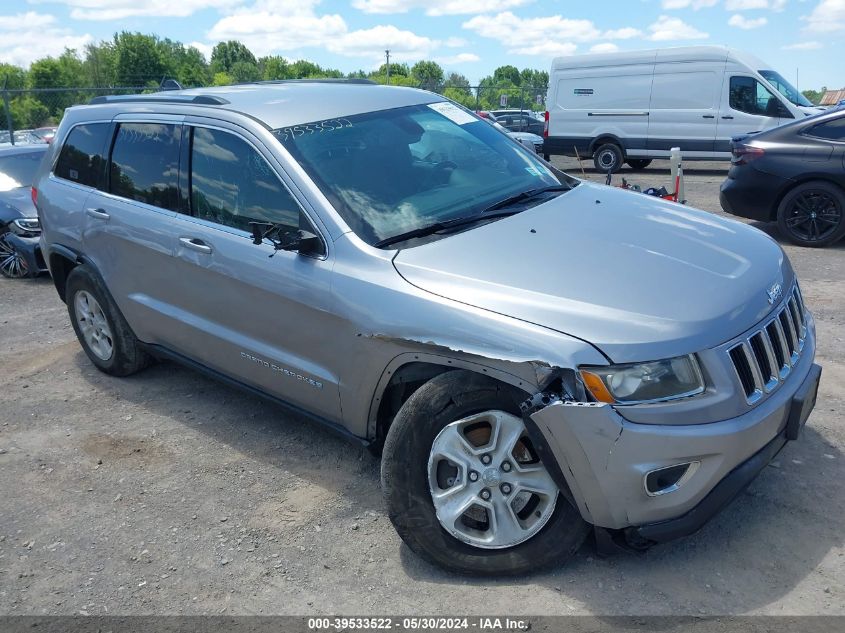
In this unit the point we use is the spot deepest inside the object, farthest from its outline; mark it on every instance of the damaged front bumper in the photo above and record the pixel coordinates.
(604, 458)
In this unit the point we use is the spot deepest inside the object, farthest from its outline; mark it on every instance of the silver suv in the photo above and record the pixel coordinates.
(538, 357)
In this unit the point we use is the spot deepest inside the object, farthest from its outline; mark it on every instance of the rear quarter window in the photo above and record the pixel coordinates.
(81, 159)
(829, 130)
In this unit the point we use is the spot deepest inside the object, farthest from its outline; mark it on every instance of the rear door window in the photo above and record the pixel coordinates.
(830, 130)
(145, 164)
(81, 159)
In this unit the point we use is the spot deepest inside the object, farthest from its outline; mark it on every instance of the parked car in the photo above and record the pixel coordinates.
(519, 121)
(635, 106)
(793, 175)
(484, 114)
(531, 141)
(44, 134)
(391, 265)
(20, 252)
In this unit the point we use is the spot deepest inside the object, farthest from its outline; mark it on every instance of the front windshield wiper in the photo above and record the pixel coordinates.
(431, 229)
(525, 195)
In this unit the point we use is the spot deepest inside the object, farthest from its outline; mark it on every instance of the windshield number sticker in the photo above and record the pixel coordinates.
(452, 112)
(533, 171)
(318, 127)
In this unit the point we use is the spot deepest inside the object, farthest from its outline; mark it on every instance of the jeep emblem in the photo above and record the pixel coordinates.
(774, 293)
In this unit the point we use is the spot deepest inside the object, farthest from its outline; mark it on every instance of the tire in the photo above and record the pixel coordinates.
(547, 157)
(638, 163)
(115, 350)
(813, 214)
(13, 265)
(608, 157)
(409, 461)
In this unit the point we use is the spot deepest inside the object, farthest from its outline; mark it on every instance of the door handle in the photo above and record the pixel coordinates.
(97, 213)
(195, 244)
(727, 117)
(708, 116)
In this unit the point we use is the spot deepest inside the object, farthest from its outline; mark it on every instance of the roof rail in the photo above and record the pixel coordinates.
(324, 80)
(160, 98)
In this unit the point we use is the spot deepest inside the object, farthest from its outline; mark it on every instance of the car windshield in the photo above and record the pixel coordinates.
(785, 88)
(394, 171)
(18, 170)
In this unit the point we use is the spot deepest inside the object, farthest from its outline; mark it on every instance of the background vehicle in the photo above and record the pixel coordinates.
(635, 106)
(531, 141)
(420, 296)
(519, 121)
(20, 253)
(794, 175)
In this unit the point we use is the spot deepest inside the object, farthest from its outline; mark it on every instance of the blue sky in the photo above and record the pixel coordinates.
(806, 37)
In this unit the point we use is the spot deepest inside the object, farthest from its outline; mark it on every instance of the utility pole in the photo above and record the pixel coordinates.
(387, 55)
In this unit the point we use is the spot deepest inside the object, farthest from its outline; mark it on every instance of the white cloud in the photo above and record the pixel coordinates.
(460, 58)
(403, 45)
(803, 46)
(455, 42)
(741, 22)
(827, 16)
(28, 36)
(549, 36)
(100, 10)
(668, 29)
(605, 47)
(205, 49)
(683, 4)
(437, 7)
(750, 5)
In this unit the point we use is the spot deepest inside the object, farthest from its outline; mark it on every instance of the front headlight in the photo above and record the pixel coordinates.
(644, 382)
(26, 226)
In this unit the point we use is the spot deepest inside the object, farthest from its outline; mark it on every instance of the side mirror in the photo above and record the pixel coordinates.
(304, 242)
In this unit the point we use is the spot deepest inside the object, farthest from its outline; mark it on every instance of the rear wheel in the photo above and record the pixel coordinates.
(12, 264)
(608, 158)
(638, 163)
(813, 214)
(465, 487)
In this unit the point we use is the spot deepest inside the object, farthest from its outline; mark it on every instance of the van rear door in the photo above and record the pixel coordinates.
(683, 109)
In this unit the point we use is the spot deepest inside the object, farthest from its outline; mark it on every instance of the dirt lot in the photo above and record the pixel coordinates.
(167, 493)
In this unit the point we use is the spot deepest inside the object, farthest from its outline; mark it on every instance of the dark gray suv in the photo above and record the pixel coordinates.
(537, 356)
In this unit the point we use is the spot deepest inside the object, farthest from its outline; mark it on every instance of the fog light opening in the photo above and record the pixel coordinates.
(669, 478)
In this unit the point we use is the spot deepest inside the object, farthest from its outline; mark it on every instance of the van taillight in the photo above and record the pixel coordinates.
(546, 125)
(34, 194)
(743, 154)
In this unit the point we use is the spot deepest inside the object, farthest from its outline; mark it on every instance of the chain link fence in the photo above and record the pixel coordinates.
(27, 115)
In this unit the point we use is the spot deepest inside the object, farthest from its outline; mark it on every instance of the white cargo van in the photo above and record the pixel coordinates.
(635, 106)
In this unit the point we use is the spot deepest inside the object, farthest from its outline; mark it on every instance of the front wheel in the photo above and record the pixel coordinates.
(12, 263)
(813, 214)
(465, 487)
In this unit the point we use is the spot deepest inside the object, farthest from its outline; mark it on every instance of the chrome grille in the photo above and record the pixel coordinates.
(763, 360)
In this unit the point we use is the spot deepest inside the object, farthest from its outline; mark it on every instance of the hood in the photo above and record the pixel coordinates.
(526, 136)
(637, 277)
(811, 110)
(17, 203)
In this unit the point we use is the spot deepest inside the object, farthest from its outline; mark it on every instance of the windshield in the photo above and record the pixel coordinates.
(785, 88)
(395, 171)
(18, 170)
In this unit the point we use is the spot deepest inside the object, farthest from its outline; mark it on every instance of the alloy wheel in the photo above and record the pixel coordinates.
(12, 263)
(93, 325)
(814, 215)
(487, 483)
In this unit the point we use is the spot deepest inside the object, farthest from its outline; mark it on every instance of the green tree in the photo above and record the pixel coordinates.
(226, 54)
(222, 79)
(27, 112)
(464, 97)
(138, 59)
(396, 70)
(429, 75)
(274, 67)
(814, 96)
(193, 69)
(100, 64)
(507, 75)
(12, 77)
(243, 72)
(457, 80)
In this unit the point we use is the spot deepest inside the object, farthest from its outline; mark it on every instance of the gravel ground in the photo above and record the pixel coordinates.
(168, 493)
